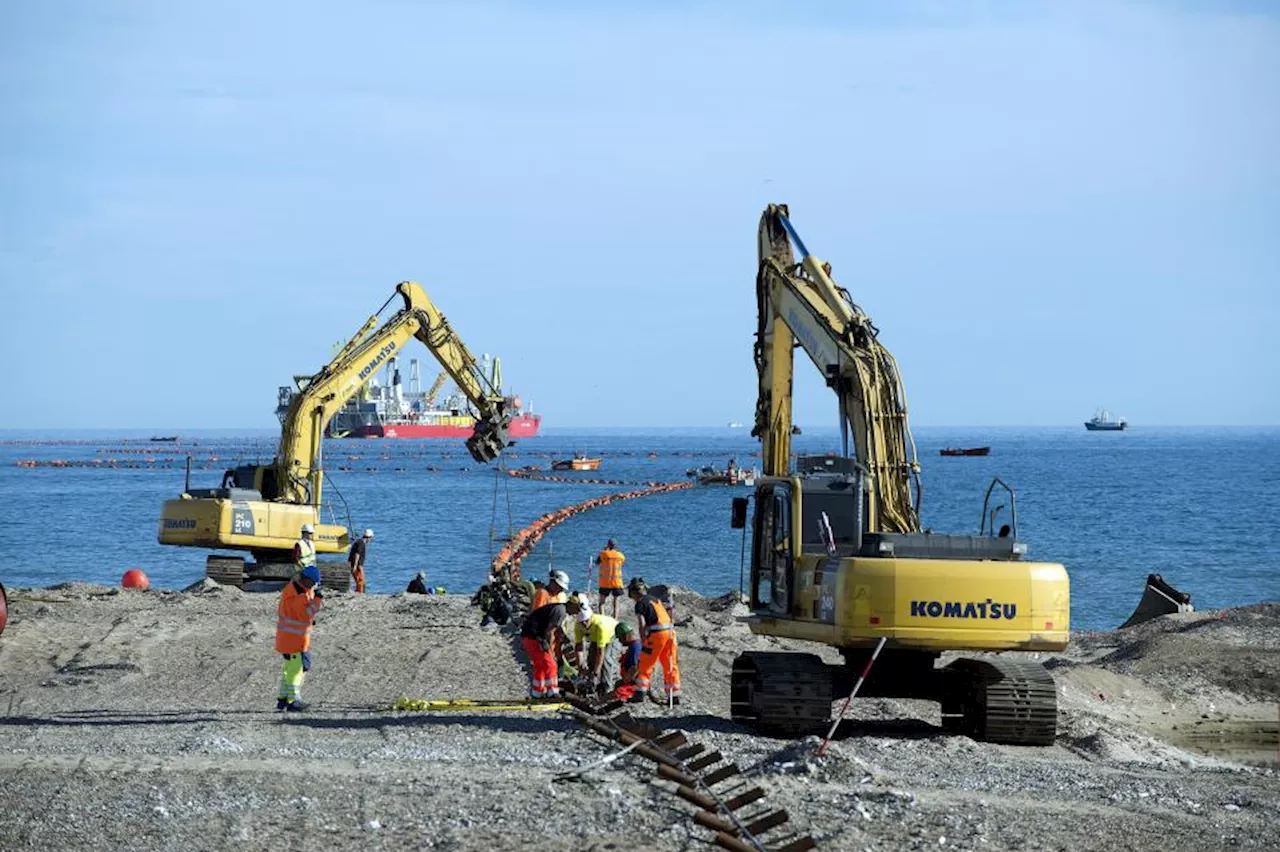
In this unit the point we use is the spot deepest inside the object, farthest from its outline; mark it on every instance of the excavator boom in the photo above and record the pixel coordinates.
(297, 460)
(801, 304)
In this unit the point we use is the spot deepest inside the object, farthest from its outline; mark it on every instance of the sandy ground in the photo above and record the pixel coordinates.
(146, 720)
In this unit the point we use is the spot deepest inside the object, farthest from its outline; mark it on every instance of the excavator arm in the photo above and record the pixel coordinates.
(801, 304)
(298, 468)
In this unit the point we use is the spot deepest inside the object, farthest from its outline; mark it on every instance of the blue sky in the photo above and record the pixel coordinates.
(1045, 208)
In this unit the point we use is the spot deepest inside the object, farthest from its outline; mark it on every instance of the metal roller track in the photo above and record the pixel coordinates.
(1001, 701)
(730, 805)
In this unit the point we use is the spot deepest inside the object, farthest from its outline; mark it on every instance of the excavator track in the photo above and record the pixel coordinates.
(226, 570)
(1000, 701)
(781, 693)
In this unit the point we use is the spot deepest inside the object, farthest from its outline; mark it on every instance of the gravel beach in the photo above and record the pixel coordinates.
(145, 720)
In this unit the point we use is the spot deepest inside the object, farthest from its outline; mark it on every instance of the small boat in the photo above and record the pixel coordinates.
(166, 438)
(708, 475)
(1104, 422)
(965, 451)
(578, 462)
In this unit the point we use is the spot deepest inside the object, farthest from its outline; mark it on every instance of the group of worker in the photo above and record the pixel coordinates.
(650, 641)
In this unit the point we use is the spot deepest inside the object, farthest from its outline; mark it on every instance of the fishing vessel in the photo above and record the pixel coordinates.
(1104, 422)
(580, 461)
(730, 475)
(387, 408)
(965, 451)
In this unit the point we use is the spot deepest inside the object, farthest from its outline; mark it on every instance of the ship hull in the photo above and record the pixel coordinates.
(1105, 427)
(523, 426)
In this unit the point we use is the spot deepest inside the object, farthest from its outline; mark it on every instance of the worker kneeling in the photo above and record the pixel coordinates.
(629, 661)
(539, 636)
(657, 636)
(592, 633)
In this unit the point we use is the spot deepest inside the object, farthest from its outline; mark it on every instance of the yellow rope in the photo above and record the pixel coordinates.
(424, 704)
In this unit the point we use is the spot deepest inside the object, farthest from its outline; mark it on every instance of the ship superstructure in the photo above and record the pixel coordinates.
(389, 407)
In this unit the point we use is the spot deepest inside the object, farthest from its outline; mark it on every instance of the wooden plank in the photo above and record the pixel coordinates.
(720, 774)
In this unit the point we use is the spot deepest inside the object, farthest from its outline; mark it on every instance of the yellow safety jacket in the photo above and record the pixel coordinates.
(306, 553)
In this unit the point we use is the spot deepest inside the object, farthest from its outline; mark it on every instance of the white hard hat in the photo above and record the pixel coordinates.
(560, 578)
(308, 528)
(368, 533)
(584, 613)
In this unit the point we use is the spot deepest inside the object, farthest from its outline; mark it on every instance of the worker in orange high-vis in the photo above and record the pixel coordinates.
(555, 591)
(610, 561)
(356, 559)
(300, 600)
(657, 636)
(540, 635)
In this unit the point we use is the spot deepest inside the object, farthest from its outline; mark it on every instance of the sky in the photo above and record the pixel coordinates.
(1045, 208)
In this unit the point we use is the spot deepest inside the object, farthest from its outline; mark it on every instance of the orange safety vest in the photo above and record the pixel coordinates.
(664, 618)
(611, 568)
(542, 597)
(297, 609)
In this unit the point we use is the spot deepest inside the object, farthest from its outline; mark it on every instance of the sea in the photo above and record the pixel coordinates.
(1199, 506)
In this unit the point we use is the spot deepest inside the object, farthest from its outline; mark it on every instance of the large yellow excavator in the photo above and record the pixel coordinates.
(261, 508)
(839, 557)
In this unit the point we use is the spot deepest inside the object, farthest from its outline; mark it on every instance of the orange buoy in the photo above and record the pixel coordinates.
(135, 579)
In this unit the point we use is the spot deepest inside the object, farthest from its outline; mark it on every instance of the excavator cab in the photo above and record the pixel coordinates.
(245, 482)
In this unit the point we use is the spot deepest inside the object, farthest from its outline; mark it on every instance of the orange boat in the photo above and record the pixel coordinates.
(578, 462)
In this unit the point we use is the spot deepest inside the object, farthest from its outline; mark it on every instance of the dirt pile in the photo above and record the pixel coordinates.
(146, 720)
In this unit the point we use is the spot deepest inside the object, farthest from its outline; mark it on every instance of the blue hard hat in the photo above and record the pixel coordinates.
(312, 573)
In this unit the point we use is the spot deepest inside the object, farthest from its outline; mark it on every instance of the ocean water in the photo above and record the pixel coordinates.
(1200, 506)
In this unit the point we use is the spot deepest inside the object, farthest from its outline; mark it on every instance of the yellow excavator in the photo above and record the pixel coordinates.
(261, 508)
(839, 556)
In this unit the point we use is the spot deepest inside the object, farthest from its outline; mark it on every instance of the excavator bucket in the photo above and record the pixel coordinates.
(488, 440)
(1159, 598)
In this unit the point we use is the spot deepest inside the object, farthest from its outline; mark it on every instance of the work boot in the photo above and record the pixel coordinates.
(637, 698)
(281, 704)
(675, 701)
(297, 706)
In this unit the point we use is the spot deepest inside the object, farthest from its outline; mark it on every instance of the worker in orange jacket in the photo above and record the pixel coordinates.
(300, 600)
(610, 561)
(657, 635)
(555, 591)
